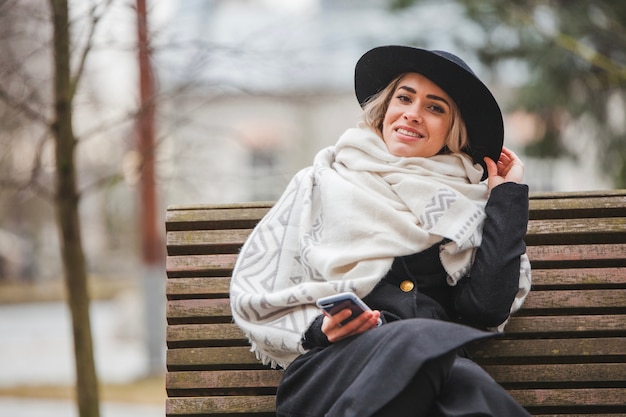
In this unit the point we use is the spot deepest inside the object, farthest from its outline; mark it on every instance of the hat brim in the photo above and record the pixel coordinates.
(479, 109)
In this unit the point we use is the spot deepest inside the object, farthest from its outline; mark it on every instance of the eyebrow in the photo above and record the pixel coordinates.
(430, 96)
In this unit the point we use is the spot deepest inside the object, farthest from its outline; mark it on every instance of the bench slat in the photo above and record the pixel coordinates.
(244, 405)
(582, 415)
(203, 242)
(191, 242)
(576, 299)
(563, 398)
(267, 378)
(569, 324)
(211, 357)
(542, 375)
(229, 334)
(594, 277)
(606, 349)
(230, 216)
(578, 277)
(222, 264)
(200, 265)
(544, 398)
(199, 311)
(202, 287)
(564, 254)
(577, 206)
(606, 373)
(538, 302)
(591, 230)
(185, 335)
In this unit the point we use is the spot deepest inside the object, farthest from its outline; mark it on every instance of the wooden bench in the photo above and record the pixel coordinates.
(564, 353)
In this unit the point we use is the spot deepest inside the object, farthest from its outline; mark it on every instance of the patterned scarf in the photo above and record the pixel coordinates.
(338, 226)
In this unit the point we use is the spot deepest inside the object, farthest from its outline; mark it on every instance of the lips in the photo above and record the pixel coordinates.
(410, 133)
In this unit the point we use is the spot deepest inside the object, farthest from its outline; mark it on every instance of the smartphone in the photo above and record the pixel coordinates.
(333, 304)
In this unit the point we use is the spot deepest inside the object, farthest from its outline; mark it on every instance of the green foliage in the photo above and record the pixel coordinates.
(574, 53)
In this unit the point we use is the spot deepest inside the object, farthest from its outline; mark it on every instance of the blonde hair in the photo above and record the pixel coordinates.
(375, 108)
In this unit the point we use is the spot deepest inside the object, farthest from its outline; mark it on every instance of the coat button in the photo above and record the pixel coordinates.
(407, 285)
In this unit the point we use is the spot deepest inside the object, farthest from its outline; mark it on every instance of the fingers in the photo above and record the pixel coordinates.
(334, 331)
(509, 168)
(492, 168)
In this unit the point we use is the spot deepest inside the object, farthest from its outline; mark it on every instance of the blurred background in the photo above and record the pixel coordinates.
(239, 95)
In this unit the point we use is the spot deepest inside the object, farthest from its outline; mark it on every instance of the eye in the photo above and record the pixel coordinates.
(437, 108)
(404, 98)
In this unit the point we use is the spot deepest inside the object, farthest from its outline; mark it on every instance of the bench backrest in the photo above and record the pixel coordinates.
(564, 353)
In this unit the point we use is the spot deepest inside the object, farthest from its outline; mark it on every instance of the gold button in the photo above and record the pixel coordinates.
(407, 285)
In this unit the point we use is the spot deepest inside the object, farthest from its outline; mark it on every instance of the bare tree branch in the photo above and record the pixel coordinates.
(95, 18)
(32, 182)
(24, 108)
(100, 182)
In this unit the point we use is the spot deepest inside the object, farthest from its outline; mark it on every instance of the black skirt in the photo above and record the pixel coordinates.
(362, 375)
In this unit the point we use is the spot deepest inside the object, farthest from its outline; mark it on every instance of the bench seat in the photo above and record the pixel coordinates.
(563, 354)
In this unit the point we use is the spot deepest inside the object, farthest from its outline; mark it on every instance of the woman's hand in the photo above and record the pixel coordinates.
(508, 169)
(334, 331)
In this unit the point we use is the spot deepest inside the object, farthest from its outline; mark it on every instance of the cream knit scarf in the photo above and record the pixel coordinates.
(338, 227)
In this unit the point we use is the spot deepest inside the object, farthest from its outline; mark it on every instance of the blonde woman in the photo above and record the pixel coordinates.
(421, 212)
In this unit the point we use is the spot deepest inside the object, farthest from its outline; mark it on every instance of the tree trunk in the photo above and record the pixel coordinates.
(153, 274)
(67, 202)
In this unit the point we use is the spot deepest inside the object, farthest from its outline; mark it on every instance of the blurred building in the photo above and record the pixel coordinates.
(271, 84)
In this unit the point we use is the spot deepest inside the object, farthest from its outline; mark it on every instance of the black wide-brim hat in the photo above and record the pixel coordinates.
(479, 109)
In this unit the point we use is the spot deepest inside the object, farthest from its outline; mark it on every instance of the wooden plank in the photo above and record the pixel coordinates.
(199, 265)
(243, 405)
(551, 195)
(228, 334)
(614, 298)
(198, 311)
(533, 350)
(582, 325)
(582, 253)
(212, 287)
(544, 375)
(195, 335)
(546, 398)
(570, 373)
(571, 206)
(542, 278)
(581, 415)
(210, 310)
(211, 358)
(215, 217)
(563, 398)
(207, 310)
(570, 231)
(579, 277)
(607, 349)
(205, 242)
(207, 380)
(242, 205)
(203, 287)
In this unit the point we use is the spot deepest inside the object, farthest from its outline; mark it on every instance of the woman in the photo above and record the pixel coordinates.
(419, 211)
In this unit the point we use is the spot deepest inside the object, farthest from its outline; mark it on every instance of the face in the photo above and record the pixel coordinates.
(418, 118)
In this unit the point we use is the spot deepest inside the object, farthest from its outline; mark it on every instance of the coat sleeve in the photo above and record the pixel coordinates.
(484, 298)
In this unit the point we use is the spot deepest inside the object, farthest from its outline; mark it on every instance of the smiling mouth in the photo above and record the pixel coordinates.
(409, 133)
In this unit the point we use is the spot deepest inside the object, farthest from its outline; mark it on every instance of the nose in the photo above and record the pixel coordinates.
(412, 114)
